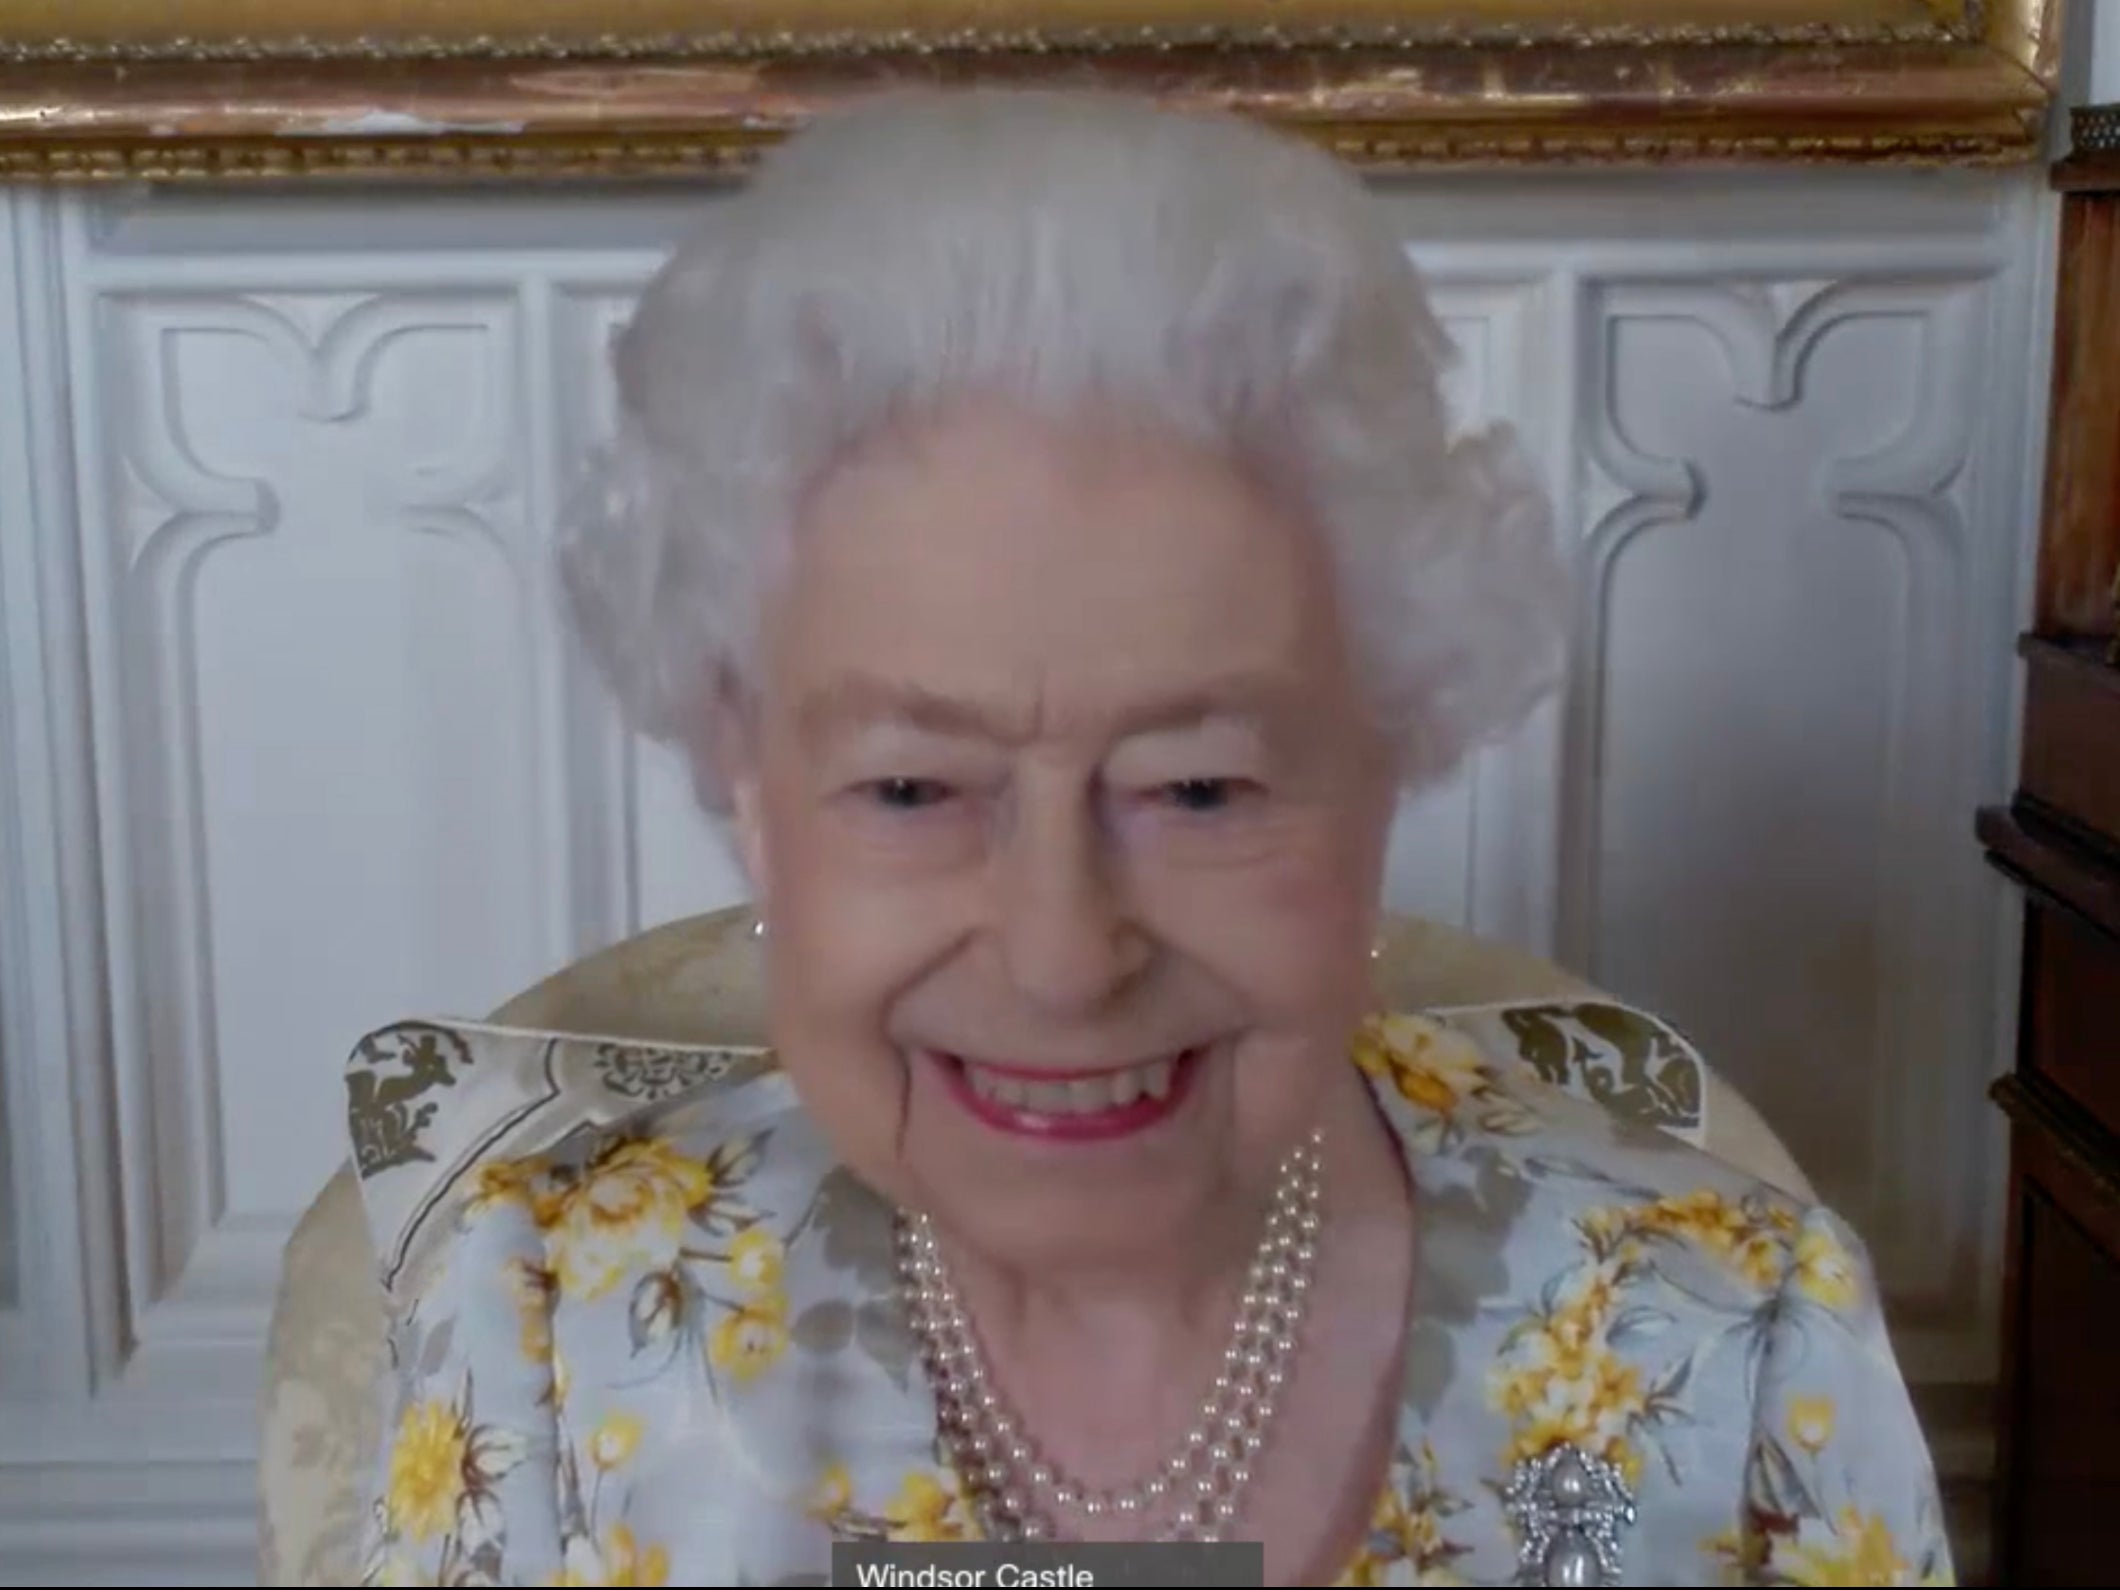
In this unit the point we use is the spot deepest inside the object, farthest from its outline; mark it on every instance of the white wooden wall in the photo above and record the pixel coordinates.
(291, 742)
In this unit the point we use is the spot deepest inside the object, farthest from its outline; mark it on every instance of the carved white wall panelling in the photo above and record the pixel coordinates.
(1913, 489)
(1773, 749)
(1463, 852)
(1514, 843)
(579, 322)
(14, 463)
(680, 863)
(17, 1079)
(2011, 492)
(46, 889)
(10, 1265)
(671, 860)
(295, 744)
(179, 1523)
(339, 530)
(92, 1490)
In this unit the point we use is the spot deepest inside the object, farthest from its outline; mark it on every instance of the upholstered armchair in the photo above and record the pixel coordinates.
(695, 983)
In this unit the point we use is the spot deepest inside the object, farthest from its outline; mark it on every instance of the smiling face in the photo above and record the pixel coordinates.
(1067, 823)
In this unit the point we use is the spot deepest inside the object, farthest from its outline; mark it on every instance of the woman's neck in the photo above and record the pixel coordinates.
(1142, 1317)
(1106, 1364)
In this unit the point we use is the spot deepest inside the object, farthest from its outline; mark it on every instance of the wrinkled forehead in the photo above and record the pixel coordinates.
(1064, 567)
(1267, 708)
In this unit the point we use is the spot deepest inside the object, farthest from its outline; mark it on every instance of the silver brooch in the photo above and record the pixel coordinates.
(1569, 1508)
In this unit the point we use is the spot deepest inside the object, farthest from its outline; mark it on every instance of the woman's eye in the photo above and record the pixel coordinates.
(908, 794)
(1202, 794)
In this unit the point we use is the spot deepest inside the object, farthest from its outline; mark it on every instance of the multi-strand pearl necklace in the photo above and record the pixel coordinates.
(1017, 1491)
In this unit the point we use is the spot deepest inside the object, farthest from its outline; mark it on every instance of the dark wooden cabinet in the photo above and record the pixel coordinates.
(2057, 1483)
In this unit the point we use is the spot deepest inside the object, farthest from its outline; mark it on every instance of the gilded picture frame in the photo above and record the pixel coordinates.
(363, 89)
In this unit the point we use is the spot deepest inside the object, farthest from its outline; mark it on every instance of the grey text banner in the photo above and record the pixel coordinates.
(984, 1565)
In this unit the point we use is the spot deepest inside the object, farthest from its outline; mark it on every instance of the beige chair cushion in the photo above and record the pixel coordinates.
(691, 988)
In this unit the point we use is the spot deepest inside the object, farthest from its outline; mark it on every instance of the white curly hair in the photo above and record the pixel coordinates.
(1061, 248)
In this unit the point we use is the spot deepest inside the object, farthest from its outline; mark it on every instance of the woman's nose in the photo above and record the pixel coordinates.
(1067, 939)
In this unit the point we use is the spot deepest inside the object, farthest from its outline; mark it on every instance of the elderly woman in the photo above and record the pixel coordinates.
(1036, 517)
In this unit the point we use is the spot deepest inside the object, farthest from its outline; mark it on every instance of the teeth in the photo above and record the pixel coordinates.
(993, 1085)
(1077, 1095)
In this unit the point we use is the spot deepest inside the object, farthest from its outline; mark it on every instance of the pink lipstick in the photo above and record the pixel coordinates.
(1078, 1106)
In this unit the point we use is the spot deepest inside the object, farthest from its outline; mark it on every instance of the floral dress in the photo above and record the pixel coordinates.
(671, 1352)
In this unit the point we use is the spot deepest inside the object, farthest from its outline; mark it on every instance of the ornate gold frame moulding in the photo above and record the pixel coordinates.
(158, 89)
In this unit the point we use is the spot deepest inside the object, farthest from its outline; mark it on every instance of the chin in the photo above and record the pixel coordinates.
(1076, 1229)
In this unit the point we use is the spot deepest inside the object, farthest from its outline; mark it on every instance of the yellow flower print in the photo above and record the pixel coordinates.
(1370, 1569)
(749, 1338)
(1789, 1533)
(1758, 1256)
(562, 1379)
(1618, 1393)
(1443, 1075)
(509, 1182)
(443, 1470)
(1703, 1216)
(1742, 1552)
(1431, 1066)
(1825, 1270)
(1577, 1424)
(532, 1286)
(618, 1561)
(925, 1510)
(626, 1564)
(1410, 1525)
(1600, 1410)
(629, 1181)
(1811, 1423)
(395, 1571)
(633, 1196)
(832, 1495)
(1856, 1548)
(1558, 1377)
(1414, 1531)
(1516, 1391)
(658, 1307)
(1577, 1325)
(579, 1564)
(426, 1470)
(615, 1441)
(1545, 1368)
(1604, 1229)
(1749, 1237)
(756, 1258)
